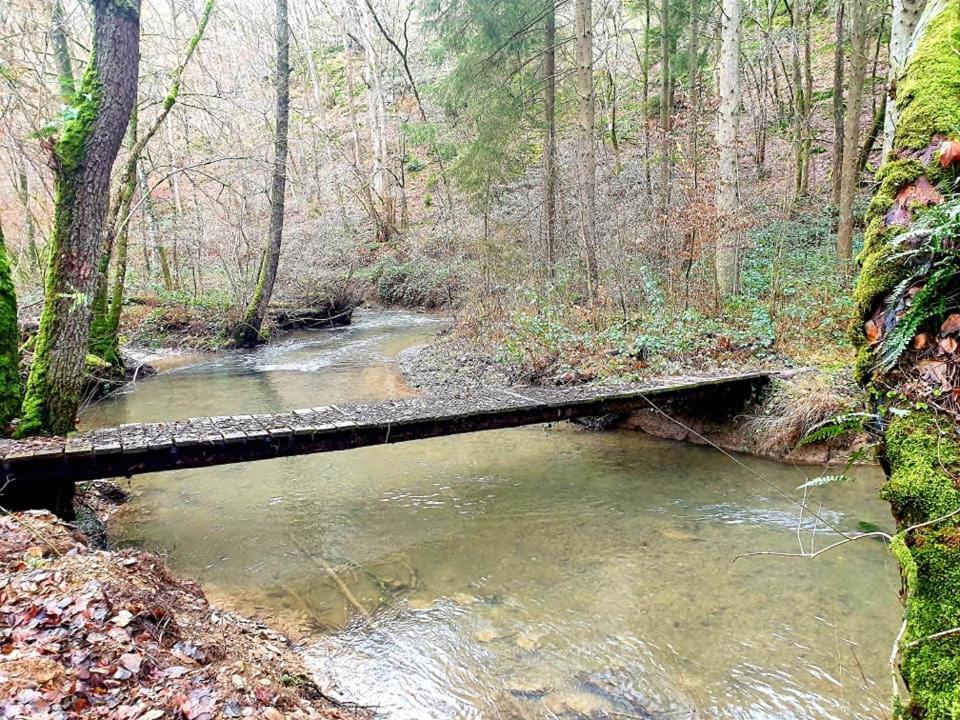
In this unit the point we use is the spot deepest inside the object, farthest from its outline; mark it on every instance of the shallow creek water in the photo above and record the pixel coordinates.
(533, 573)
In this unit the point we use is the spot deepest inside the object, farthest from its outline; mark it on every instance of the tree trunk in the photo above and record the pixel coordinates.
(83, 157)
(864, 155)
(153, 230)
(646, 99)
(837, 160)
(383, 183)
(23, 191)
(61, 53)
(728, 238)
(11, 391)
(250, 329)
(586, 150)
(105, 342)
(906, 14)
(550, 141)
(665, 122)
(919, 448)
(849, 177)
(693, 89)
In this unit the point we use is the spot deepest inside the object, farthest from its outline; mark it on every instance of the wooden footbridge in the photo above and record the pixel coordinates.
(198, 442)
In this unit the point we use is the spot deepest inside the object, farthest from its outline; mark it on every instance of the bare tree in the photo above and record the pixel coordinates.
(587, 160)
(249, 332)
(849, 177)
(550, 139)
(728, 241)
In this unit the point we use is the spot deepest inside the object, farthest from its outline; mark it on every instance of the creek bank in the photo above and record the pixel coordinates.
(114, 634)
(206, 324)
(772, 427)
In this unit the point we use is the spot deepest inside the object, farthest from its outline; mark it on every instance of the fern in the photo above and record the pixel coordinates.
(929, 303)
(835, 427)
(824, 480)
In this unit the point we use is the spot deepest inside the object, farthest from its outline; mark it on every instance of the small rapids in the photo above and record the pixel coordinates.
(543, 572)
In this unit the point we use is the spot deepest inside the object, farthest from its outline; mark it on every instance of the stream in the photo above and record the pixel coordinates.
(541, 572)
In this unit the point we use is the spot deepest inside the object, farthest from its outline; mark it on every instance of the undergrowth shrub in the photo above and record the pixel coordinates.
(421, 282)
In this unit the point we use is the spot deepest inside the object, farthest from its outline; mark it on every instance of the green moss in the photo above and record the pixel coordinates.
(71, 147)
(71, 150)
(11, 390)
(928, 97)
(922, 460)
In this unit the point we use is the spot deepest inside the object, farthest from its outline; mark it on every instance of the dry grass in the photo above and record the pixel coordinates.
(796, 405)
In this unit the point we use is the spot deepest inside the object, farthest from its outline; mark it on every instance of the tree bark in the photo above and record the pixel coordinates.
(919, 449)
(646, 99)
(666, 117)
(903, 23)
(586, 149)
(849, 177)
(83, 158)
(105, 342)
(838, 68)
(728, 238)
(550, 141)
(250, 329)
(693, 89)
(61, 53)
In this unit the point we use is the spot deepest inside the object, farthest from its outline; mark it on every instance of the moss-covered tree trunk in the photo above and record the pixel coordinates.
(11, 391)
(907, 298)
(82, 158)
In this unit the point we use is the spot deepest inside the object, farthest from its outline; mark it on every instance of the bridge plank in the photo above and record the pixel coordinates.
(136, 448)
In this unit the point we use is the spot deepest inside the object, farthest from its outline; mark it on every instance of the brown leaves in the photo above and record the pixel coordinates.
(948, 345)
(949, 153)
(951, 325)
(935, 373)
(872, 332)
(918, 193)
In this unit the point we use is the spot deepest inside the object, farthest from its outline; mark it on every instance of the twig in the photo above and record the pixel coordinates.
(935, 636)
(846, 540)
(894, 655)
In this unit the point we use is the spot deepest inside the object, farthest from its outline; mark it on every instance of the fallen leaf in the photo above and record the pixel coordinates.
(948, 345)
(122, 618)
(949, 153)
(921, 193)
(934, 372)
(951, 324)
(872, 332)
(920, 341)
(154, 714)
(131, 661)
(198, 705)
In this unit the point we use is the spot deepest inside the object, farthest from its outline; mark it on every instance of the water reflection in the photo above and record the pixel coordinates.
(538, 572)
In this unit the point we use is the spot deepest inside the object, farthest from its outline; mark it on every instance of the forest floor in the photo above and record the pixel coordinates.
(90, 633)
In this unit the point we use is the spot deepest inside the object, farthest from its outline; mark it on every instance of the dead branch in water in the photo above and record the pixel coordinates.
(341, 586)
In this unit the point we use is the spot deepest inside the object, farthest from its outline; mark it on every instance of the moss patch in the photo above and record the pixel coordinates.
(928, 97)
(10, 387)
(922, 458)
